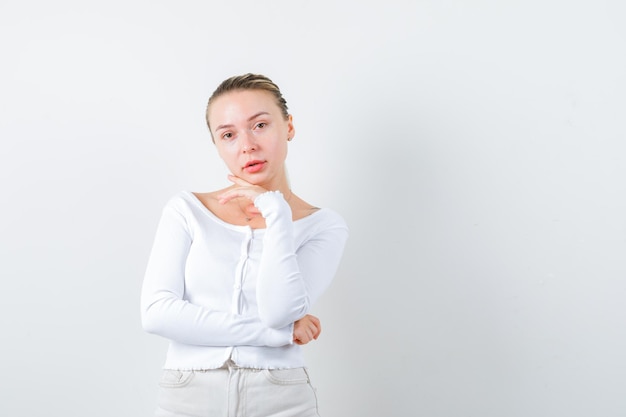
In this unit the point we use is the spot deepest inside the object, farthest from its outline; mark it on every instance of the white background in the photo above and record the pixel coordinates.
(476, 149)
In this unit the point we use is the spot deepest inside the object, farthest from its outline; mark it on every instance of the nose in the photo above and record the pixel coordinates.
(248, 143)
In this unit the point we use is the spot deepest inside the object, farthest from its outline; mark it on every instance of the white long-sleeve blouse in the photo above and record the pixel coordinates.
(220, 291)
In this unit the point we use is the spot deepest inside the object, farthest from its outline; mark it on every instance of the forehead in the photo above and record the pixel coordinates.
(240, 105)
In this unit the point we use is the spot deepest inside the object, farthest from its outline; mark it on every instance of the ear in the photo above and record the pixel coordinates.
(291, 131)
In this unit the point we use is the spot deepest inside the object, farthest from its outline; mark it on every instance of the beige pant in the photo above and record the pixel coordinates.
(237, 392)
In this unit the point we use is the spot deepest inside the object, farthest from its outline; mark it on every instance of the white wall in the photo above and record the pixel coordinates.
(476, 149)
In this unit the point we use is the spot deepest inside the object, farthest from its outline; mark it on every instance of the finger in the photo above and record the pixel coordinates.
(315, 322)
(317, 333)
(309, 333)
(239, 181)
(300, 340)
(229, 195)
(314, 319)
(251, 208)
(236, 193)
(312, 330)
(304, 334)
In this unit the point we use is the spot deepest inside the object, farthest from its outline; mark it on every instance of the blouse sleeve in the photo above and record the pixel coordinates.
(292, 278)
(166, 313)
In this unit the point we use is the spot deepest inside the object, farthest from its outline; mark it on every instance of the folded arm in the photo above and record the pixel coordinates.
(291, 279)
(166, 313)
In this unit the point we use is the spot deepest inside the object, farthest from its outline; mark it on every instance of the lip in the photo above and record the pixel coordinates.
(254, 166)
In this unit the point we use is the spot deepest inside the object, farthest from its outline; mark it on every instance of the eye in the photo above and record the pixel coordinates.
(227, 136)
(260, 125)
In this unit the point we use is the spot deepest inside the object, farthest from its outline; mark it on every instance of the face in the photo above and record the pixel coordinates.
(251, 136)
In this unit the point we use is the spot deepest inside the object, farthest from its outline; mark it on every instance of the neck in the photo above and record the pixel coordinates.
(280, 183)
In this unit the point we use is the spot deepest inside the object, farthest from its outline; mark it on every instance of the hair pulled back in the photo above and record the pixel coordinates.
(248, 81)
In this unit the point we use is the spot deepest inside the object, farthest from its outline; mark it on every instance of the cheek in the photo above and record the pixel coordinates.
(285, 149)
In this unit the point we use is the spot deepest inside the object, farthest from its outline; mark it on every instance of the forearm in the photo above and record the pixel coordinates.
(165, 311)
(292, 278)
(184, 322)
(281, 294)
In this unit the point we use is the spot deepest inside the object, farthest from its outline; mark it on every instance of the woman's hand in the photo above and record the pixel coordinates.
(307, 329)
(242, 188)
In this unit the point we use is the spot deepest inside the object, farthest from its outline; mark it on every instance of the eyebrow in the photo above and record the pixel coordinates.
(261, 113)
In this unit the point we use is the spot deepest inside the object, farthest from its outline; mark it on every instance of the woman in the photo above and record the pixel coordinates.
(233, 273)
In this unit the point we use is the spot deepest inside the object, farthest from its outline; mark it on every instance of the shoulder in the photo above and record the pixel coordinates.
(325, 228)
(323, 219)
(311, 215)
(187, 198)
(186, 204)
(332, 217)
(180, 201)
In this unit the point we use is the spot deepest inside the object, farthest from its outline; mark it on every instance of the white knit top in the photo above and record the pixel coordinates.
(219, 291)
